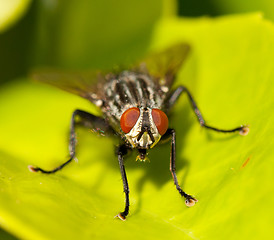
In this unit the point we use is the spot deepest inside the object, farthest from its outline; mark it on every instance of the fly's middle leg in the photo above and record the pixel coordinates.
(82, 118)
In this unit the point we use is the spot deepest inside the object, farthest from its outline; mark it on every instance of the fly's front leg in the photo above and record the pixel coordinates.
(83, 118)
(189, 200)
(121, 152)
(243, 130)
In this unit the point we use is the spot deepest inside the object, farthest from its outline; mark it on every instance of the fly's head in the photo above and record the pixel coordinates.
(143, 127)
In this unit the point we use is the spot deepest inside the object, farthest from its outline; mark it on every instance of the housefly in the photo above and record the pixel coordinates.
(135, 105)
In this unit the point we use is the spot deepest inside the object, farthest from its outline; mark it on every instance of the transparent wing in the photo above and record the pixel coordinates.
(164, 65)
(85, 84)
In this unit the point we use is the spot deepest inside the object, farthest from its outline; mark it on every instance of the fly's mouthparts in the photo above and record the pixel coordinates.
(142, 156)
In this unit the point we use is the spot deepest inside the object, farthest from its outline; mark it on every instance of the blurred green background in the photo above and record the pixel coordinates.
(196, 8)
(75, 34)
(84, 34)
(230, 69)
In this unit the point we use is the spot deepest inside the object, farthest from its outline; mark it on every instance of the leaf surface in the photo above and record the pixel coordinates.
(230, 74)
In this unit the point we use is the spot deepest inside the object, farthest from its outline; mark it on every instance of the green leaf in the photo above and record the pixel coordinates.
(230, 74)
(11, 11)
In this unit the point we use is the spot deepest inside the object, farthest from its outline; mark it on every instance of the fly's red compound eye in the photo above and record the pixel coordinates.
(129, 118)
(160, 119)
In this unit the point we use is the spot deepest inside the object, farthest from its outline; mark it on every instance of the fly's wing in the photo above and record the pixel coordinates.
(164, 65)
(84, 84)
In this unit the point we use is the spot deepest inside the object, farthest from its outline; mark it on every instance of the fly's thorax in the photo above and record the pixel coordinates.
(130, 89)
(144, 134)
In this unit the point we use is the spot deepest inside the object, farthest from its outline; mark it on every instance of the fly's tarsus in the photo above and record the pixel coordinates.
(190, 201)
(244, 130)
(122, 216)
(32, 168)
(37, 169)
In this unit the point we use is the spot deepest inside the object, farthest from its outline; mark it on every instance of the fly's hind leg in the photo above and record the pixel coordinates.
(243, 130)
(86, 119)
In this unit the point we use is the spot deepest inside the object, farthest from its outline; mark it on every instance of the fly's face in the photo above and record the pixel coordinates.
(143, 127)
